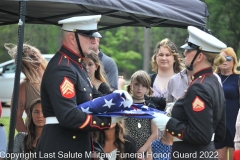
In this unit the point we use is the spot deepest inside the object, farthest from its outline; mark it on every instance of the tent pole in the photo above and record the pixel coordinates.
(21, 23)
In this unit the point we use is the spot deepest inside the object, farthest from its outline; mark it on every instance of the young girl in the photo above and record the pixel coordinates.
(143, 131)
(96, 73)
(26, 142)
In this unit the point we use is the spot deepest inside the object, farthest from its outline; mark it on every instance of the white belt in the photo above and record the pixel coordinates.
(51, 120)
(175, 139)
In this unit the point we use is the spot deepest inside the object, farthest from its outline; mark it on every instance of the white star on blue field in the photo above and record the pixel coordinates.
(118, 104)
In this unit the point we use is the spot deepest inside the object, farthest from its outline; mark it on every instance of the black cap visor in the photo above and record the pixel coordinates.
(189, 46)
(89, 33)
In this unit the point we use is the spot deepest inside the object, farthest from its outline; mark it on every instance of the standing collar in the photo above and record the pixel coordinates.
(71, 54)
(207, 70)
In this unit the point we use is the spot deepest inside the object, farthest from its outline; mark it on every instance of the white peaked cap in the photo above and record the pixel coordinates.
(82, 23)
(199, 39)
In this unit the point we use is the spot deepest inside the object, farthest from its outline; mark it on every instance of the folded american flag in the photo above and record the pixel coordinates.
(118, 103)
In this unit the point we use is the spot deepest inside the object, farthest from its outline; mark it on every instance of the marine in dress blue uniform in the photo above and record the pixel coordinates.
(65, 84)
(198, 116)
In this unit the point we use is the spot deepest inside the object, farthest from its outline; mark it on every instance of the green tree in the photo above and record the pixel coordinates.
(8, 34)
(44, 37)
(224, 21)
(116, 45)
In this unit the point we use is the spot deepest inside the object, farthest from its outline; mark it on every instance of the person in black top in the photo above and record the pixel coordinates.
(65, 84)
(198, 116)
(117, 143)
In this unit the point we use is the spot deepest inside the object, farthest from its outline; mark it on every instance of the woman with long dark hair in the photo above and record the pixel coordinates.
(26, 142)
(116, 143)
(96, 73)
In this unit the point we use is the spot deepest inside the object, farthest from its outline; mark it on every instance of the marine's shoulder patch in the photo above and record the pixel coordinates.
(198, 104)
(67, 88)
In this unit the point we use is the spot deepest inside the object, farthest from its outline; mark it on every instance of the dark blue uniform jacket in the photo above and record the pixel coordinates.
(197, 115)
(65, 84)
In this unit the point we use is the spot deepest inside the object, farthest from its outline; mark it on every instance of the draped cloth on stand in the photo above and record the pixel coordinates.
(118, 103)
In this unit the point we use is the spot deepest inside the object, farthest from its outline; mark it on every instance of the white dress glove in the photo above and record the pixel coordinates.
(128, 101)
(161, 121)
(116, 119)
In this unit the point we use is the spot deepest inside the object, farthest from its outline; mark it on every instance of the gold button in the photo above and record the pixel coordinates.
(84, 89)
(65, 56)
(94, 122)
(79, 59)
(74, 30)
(200, 77)
(102, 124)
(200, 48)
(179, 135)
(90, 94)
(192, 77)
(74, 137)
(172, 133)
(109, 124)
(167, 130)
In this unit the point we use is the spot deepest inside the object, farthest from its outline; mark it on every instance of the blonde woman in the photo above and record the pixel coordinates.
(230, 82)
(33, 67)
(165, 63)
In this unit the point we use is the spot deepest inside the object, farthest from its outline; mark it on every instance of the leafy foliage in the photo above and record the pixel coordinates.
(44, 37)
(118, 46)
(224, 21)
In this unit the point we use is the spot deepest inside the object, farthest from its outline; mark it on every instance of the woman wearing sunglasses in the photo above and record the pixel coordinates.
(230, 82)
